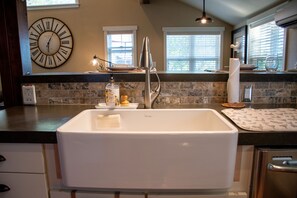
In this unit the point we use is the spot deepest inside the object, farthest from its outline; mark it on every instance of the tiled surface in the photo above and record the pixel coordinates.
(171, 92)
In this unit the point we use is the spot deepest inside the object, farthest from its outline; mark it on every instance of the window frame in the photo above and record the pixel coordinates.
(261, 19)
(123, 29)
(191, 30)
(54, 6)
(240, 33)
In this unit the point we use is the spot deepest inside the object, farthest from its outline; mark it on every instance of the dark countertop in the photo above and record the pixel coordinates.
(38, 124)
(220, 76)
(35, 124)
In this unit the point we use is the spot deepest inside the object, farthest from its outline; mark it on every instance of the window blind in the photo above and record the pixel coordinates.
(120, 44)
(265, 39)
(192, 51)
(120, 48)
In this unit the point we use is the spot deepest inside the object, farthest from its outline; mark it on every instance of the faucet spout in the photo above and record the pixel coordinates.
(145, 62)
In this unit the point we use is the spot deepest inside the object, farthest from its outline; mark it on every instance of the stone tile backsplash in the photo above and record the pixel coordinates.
(171, 92)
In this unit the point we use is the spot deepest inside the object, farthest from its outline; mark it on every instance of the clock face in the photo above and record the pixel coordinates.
(51, 42)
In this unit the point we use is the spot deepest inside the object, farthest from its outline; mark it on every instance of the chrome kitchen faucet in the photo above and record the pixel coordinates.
(146, 63)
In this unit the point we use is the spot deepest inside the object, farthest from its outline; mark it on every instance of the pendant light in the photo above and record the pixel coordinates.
(204, 19)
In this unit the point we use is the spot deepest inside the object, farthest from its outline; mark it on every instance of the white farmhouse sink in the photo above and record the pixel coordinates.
(149, 149)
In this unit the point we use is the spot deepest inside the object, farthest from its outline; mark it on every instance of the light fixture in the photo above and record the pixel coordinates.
(204, 19)
(97, 62)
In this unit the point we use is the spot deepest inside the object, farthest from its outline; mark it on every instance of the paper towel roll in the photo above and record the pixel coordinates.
(233, 85)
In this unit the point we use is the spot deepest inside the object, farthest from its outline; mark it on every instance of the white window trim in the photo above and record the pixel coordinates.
(119, 28)
(166, 30)
(193, 29)
(133, 28)
(47, 7)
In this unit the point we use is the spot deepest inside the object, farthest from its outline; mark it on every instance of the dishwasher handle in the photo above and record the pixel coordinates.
(287, 166)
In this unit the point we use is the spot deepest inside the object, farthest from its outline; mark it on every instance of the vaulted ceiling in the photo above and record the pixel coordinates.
(233, 11)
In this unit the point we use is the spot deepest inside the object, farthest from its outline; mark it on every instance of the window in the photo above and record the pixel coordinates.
(48, 4)
(265, 39)
(193, 49)
(120, 44)
(239, 36)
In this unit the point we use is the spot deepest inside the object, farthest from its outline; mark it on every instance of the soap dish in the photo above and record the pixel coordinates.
(104, 106)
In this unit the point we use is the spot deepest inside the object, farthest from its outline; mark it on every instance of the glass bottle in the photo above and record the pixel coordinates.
(112, 93)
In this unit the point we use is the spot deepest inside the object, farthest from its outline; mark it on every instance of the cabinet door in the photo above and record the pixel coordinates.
(24, 185)
(21, 158)
(60, 193)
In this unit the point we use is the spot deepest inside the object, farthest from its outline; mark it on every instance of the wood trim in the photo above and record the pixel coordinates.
(73, 194)
(24, 37)
(57, 162)
(238, 164)
(12, 21)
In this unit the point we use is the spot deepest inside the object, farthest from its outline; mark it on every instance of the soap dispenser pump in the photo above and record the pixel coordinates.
(112, 93)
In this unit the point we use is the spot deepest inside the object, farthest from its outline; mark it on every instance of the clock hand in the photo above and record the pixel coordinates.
(48, 42)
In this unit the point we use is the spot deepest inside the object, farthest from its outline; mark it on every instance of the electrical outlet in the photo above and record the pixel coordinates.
(247, 93)
(29, 95)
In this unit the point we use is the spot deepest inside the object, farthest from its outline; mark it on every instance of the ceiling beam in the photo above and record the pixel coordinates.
(144, 1)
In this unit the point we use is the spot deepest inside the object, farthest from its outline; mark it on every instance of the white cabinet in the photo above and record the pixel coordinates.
(23, 185)
(56, 193)
(93, 195)
(22, 171)
(22, 158)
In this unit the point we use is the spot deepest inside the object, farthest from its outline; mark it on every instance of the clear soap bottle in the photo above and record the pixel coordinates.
(112, 93)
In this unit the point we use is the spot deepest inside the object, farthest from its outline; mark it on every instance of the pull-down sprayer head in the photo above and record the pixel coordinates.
(145, 61)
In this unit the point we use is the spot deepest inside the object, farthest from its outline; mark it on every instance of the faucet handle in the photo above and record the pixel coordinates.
(153, 66)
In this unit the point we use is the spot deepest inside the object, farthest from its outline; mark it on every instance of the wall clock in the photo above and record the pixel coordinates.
(51, 42)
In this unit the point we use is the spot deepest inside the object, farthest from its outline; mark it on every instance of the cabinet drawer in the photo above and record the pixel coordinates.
(23, 185)
(22, 158)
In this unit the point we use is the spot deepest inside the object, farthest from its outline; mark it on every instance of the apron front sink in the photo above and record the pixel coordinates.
(148, 149)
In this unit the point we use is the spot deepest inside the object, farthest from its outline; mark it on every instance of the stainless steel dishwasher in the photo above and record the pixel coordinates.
(274, 173)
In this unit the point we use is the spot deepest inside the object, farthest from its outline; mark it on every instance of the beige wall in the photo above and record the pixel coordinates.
(86, 24)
